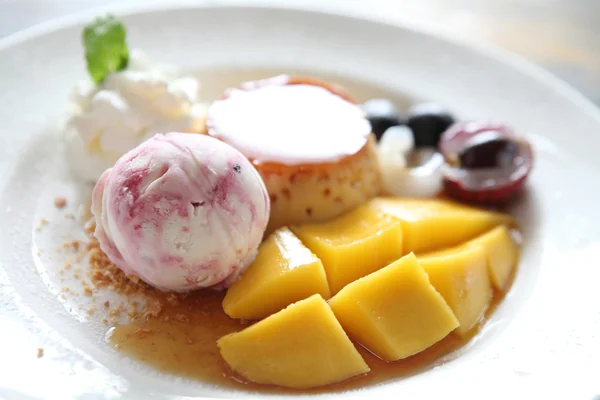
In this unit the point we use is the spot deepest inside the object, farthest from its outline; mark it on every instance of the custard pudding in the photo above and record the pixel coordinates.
(308, 139)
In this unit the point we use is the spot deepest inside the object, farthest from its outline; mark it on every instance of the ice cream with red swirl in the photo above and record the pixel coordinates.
(181, 212)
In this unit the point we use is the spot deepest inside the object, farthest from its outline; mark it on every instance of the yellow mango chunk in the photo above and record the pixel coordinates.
(394, 312)
(461, 276)
(502, 254)
(302, 346)
(433, 224)
(354, 244)
(283, 272)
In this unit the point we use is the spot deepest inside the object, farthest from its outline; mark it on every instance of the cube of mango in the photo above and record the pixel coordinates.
(354, 244)
(284, 272)
(502, 254)
(461, 276)
(394, 312)
(302, 346)
(433, 224)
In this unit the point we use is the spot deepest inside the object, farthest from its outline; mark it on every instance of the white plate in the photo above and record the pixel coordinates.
(544, 339)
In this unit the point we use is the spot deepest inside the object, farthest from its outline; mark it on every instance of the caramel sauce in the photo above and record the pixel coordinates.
(182, 341)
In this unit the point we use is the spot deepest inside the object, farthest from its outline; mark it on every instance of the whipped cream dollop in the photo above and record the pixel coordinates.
(107, 120)
(407, 171)
(274, 121)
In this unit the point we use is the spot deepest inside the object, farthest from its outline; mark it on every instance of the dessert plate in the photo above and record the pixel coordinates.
(544, 339)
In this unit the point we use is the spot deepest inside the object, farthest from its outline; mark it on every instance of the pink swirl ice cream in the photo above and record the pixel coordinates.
(181, 211)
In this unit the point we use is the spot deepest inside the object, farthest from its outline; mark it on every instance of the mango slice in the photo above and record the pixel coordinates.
(461, 276)
(284, 272)
(394, 312)
(502, 254)
(302, 346)
(432, 224)
(354, 244)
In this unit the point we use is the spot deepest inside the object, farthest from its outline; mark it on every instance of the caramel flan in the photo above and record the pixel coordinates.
(309, 141)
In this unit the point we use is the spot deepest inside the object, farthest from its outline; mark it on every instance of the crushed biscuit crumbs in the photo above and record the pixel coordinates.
(181, 318)
(114, 312)
(60, 202)
(143, 332)
(143, 301)
(132, 310)
(74, 245)
(43, 222)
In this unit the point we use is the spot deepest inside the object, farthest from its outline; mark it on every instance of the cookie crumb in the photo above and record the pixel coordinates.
(153, 309)
(115, 312)
(40, 352)
(143, 302)
(173, 299)
(60, 202)
(181, 318)
(43, 222)
(73, 245)
(143, 332)
(132, 310)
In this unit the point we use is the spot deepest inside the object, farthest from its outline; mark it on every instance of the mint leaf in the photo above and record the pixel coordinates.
(105, 47)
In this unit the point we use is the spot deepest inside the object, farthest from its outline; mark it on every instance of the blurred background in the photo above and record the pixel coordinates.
(563, 36)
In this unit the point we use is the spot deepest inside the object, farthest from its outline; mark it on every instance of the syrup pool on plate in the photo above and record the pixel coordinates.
(182, 342)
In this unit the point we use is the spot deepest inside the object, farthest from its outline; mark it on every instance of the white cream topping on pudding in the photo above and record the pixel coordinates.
(107, 120)
(289, 124)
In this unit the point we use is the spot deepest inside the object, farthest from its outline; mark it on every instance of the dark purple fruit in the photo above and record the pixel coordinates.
(428, 121)
(486, 162)
(382, 114)
(487, 150)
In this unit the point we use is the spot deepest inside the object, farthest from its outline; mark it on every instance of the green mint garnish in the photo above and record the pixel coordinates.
(105, 47)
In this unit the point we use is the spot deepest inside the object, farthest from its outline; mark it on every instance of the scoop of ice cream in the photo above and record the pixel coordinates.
(181, 212)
